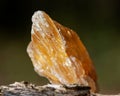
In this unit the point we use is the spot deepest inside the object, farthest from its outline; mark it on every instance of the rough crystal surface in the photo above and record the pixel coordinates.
(58, 53)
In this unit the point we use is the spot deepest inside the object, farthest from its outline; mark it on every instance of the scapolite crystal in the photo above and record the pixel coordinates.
(58, 53)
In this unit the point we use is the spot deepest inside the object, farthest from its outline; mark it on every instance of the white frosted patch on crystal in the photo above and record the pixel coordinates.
(63, 47)
(73, 58)
(69, 33)
(63, 41)
(40, 18)
(36, 21)
(32, 31)
(44, 21)
(37, 64)
(67, 62)
(30, 51)
(55, 70)
(84, 81)
(37, 26)
(53, 59)
(37, 67)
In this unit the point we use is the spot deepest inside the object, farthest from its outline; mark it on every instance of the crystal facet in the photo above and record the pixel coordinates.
(58, 53)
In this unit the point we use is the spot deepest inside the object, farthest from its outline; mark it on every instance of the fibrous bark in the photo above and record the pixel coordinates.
(28, 89)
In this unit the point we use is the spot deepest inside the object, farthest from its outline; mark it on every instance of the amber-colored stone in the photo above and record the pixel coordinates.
(58, 53)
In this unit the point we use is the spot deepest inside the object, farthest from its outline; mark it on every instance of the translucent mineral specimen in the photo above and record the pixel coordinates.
(58, 53)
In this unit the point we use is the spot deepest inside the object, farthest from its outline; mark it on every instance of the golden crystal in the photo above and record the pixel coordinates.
(58, 54)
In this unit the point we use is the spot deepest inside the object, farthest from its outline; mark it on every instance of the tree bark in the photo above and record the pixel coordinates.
(28, 89)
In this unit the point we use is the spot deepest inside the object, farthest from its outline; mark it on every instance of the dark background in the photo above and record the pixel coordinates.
(96, 21)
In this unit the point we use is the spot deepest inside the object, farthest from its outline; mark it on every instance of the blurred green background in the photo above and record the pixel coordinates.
(96, 21)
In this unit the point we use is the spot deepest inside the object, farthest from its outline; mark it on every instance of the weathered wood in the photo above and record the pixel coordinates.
(27, 89)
